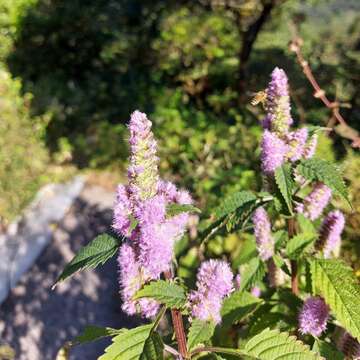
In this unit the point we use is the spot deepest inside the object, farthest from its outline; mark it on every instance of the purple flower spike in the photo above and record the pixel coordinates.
(315, 202)
(131, 280)
(277, 105)
(262, 229)
(313, 316)
(349, 346)
(273, 152)
(122, 211)
(310, 147)
(214, 283)
(296, 141)
(143, 170)
(330, 234)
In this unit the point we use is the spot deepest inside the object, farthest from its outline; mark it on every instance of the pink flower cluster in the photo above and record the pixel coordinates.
(140, 215)
(214, 283)
(279, 144)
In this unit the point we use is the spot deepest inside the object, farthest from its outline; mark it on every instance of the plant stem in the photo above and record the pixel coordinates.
(178, 326)
(293, 263)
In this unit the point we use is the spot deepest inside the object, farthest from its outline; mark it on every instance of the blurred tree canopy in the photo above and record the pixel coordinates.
(193, 66)
(83, 66)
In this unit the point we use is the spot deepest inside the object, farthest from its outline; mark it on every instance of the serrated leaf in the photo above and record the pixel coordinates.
(325, 172)
(199, 333)
(170, 294)
(285, 184)
(153, 348)
(237, 306)
(336, 283)
(92, 333)
(233, 202)
(298, 244)
(176, 209)
(129, 345)
(327, 350)
(274, 345)
(267, 320)
(100, 250)
(252, 273)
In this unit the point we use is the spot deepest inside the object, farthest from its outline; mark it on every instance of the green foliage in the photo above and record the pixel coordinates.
(273, 345)
(285, 183)
(23, 156)
(237, 306)
(176, 209)
(336, 283)
(297, 245)
(92, 333)
(200, 332)
(153, 348)
(253, 272)
(322, 170)
(327, 350)
(100, 250)
(130, 345)
(233, 202)
(170, 294)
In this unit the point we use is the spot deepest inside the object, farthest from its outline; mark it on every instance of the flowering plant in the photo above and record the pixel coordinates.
(288, 297)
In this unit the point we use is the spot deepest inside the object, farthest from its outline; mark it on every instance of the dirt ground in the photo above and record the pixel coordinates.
(35, 320)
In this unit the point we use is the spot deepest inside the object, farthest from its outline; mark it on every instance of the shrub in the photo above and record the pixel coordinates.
(285, 296)
(23, 156)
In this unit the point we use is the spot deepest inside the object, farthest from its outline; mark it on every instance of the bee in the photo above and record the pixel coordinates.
(259, 97)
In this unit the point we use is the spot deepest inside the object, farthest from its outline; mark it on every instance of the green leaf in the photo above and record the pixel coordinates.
(305, 224)
(312, 129)
(327, 350)
(267, 320)
(247, 252)
(237, 306)
(285, 184)
(176, 209)
(100, 250)
(336, 283)
(165, 292)
(274, 345)
(199, 333)
(93, 333)
(133, 223)
(281, 264)
(129, 345)
(298, 244)
(325, 172)
(253, 272)
(153, 348)
(233, 202)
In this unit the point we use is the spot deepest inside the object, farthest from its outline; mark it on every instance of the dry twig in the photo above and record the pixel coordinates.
(343, 129)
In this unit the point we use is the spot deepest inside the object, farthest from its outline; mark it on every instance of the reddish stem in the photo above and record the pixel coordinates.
(178, 325)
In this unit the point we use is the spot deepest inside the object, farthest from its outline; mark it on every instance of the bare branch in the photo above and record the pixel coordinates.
(343, 129)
